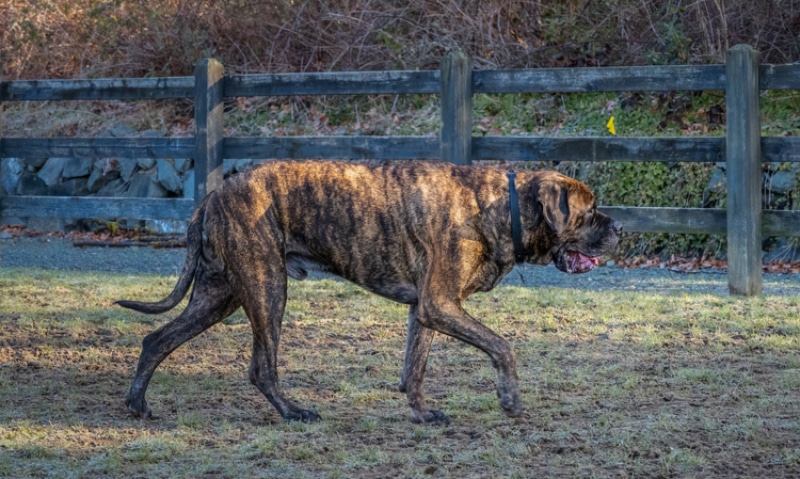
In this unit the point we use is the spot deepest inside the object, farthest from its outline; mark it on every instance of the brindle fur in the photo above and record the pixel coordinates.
(425, 234)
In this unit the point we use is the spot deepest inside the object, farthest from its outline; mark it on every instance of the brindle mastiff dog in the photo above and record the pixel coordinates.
(424, 234)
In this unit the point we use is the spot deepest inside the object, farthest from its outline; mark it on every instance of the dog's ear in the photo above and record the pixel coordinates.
(555, 206)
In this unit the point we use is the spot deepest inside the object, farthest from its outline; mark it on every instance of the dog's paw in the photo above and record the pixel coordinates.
(302, 415)
(511, 406)
(139, 408)
(432, 417)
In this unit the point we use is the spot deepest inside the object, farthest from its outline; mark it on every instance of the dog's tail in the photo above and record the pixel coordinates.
(194, 242)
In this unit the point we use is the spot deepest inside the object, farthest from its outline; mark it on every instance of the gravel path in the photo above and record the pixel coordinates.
(54, 253)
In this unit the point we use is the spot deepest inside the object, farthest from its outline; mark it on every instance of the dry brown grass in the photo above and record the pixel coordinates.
(615, 384)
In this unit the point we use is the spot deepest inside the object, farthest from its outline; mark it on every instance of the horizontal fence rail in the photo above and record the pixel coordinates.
(553, 80)
(455, 82)
(510, 148)
(697, 220)
(75, 207)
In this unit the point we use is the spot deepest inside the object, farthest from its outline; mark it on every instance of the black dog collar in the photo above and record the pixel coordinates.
(516, 223)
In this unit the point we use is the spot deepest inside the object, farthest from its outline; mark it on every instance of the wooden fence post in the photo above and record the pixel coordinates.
(743, 157)
(3, 191)
(456, 87)
(208, 75)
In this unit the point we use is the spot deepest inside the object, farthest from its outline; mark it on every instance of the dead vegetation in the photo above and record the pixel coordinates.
(85, 38)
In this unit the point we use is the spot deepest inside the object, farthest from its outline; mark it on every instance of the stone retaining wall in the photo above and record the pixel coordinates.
(141, 178)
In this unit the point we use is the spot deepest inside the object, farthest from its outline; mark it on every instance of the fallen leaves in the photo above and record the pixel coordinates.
(681, 264)
(113, 237)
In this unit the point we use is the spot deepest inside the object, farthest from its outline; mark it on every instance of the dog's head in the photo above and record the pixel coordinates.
(577, 233)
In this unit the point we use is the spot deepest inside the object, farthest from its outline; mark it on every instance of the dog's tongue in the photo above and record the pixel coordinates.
(581, 262)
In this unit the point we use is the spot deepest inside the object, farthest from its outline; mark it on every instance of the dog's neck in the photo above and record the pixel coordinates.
(516, 222)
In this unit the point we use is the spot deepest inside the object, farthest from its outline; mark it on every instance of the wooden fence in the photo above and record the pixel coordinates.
(742, 78)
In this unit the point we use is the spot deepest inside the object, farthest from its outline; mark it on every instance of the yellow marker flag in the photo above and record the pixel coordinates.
(610, 126)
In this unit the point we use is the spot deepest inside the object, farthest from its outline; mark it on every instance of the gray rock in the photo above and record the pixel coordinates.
(115, 187)
(10, 172)
(77, 167)
(782, 182)
(188, 184)
(96, 181)
(71, 187)
(119, 130)
(718, 182)
(168, 176)
(101, 175)
(139, 186)
(31, 184)
(50, 173)
(145, 185)
(183, 164)
(157, 191)
(146, 163)
(33, 164)
(127, 167)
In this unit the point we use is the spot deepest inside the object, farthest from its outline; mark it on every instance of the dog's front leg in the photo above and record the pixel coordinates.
(448, 317)
(418, 345)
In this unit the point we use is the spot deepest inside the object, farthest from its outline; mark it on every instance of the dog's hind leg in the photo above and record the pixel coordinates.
(418, 345)
(265, 307)
(212, 301)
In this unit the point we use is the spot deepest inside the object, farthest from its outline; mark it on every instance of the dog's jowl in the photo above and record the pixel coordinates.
(425, 234)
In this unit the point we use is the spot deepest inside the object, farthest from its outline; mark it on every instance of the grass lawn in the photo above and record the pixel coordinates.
(614, 384)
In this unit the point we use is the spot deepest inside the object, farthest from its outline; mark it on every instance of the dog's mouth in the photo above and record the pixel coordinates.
(573, 261)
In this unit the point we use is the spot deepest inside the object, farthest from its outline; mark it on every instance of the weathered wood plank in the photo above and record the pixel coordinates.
(779, 77)
(208, 124)
(783, 149)
(528, 148)
(397, 82)
(96, 207)
(456, 110)
(97, 147)
(743, 151)
(641, 220)
(333, 147)
(636, 78)
(780, 223)
(697, 220)
(668, 220)
(510, 148)
(99, 89)
(3, 191)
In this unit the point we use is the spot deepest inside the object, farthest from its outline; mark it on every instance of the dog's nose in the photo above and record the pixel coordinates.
(617, 227)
